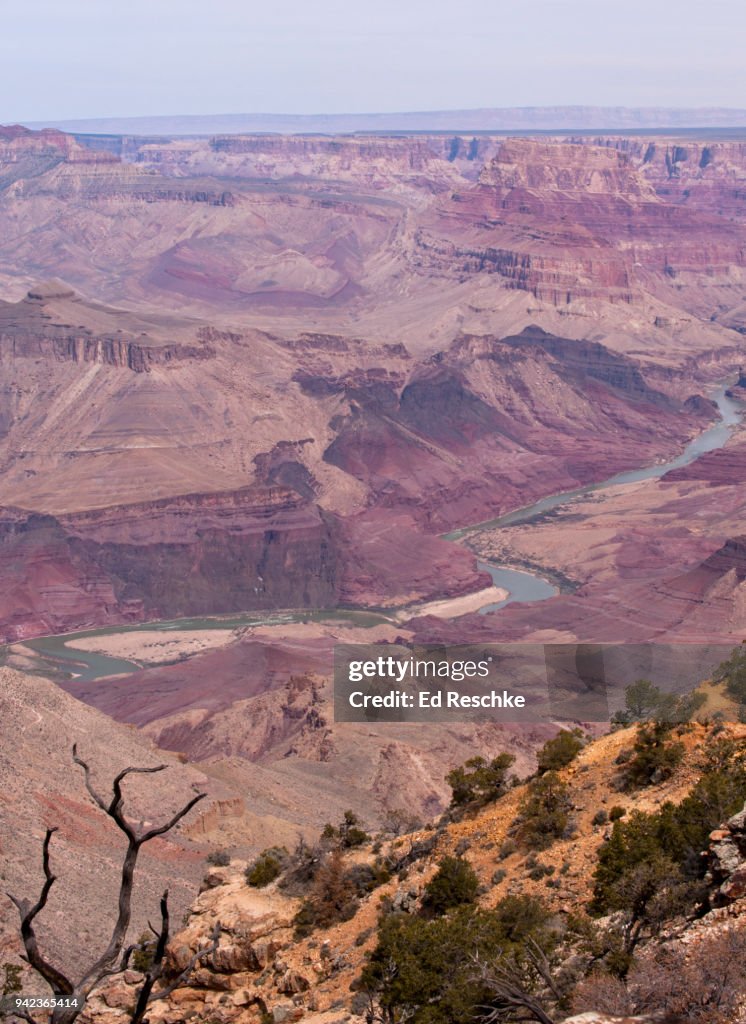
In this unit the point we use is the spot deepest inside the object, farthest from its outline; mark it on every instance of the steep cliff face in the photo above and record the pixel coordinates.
(568, 221)
(36, 328)
(45, 147)
(198, 554)
(704, 175)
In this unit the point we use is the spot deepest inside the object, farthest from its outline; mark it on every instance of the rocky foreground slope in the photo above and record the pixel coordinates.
(269, 964)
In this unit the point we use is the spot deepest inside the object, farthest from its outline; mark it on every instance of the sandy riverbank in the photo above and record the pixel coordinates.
(451, 607)
(152, 647)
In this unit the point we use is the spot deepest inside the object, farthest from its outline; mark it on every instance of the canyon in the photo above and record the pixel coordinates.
(268, 374)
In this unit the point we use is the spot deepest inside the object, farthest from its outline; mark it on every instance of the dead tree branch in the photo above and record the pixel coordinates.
(105, 964)
(148, 993)
(510, 997)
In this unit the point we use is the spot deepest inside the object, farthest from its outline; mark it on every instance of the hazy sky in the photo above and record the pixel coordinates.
(97, 58)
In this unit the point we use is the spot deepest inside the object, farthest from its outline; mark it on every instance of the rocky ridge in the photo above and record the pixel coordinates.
(263, 969)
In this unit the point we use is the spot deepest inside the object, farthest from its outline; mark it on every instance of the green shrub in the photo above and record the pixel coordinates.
(645, 702)
(348, 834)
(422, 970)
(479, 780)
(676, 834)
(733, 673)
(617, 812)
(142, 958)
(560, 751)
(545, 812)
(13, 979)
(268, 866)
(655, 756)
(454, 884)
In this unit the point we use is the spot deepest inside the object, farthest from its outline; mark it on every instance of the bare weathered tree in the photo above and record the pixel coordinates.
(114, 958)
(512, 987)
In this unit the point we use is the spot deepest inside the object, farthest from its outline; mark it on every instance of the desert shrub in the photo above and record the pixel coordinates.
(422, 970)
(303, 863)
(455, 883)
(268, 866)
(367, 877)
(545, 812)
(12, 983)
(617, 812)
(539, 871)
(655, 756)
(348, 834)
(508, 848)
(332, 898)
(219, 858)
(398, 822)
(479, 780)
(600, 817)
(560, 751)
(520, 917)
(643, 701)
(671, 838)
(142, 955)
(498, 876)
(667, 982)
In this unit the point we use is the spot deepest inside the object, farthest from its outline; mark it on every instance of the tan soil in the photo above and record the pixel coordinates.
(153, 647)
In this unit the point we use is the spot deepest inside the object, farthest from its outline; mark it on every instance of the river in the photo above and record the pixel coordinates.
(521, 586)
(528, 586)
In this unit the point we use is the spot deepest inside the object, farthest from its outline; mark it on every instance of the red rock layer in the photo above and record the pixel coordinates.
(197, 554)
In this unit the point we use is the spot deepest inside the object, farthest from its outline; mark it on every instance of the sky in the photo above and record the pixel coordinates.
(62, 59)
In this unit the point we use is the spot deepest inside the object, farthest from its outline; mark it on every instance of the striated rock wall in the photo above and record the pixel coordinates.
(110, 351)
(197, 554)
(32, 329)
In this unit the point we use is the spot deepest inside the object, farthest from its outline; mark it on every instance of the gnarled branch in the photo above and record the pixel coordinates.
(148, 993)
(59, 983)
(105, 964)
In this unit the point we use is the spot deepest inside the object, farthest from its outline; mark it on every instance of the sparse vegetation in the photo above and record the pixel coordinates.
(508, 848)
(454, 884)
(479, 780)
(348, 834)
(544, 812)
(268, 866)
(643, 701)
(333, 897)
(651, 866)
(733, 673)
(560, 751)
(219, 858)
(655, 756)
(12, 983)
